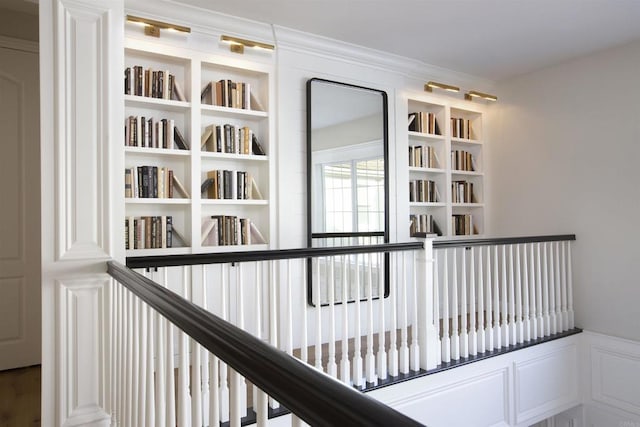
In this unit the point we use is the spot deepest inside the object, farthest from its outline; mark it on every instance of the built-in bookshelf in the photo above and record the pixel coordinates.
(198, 153)
(445, 168)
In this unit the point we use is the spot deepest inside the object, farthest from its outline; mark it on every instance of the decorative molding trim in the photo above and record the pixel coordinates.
(19, 44)
(81, 327)
(615, 376)
(551, 382)
(83, 130)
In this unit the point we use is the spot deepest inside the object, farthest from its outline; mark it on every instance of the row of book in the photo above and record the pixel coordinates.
(141, 131)
(462, 192)
(152, 182)
(149, 232)
(230, 184)
(462, 161)
(462, 225)
(423, 156)
(423, 190)
(226, 230)
(152, 83)
(461, 128)
(232, 139)
(424, 122)
(423, 224)
(227, 93)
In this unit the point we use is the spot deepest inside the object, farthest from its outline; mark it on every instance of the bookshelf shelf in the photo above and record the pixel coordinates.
(233, 112)
(156, 151)
(156, 103)
(232, 202)
(427, 170)
(156, 201)
(228, 156)
(440, 159)
(180, 124)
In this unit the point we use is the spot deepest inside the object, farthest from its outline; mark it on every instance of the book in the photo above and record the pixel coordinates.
(254, 103)
(177, 92)
(256, 147)
(179, 139)
(178, 185)
(255, 235)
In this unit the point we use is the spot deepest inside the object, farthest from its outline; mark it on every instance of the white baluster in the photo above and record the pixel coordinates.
(563, 276)
(358, 380)
(571, 321)
(240, 382)
(552, 289)
(235, 398)
(304, 347)
(332, 367)
(518, 284)
(539, 303)
(129, 361)
(464, 306)
(545, 291)
(273, 315)
(318, 310)
(482, 337)
(160, 389)
(120, 353)
(382, 353)
(446, 339)
(473, 334)
(512, 300)
(184, 403)
(558, 289)
(490, 331)
(504, 295)
(204, 357)
(436, 302)
(260, 407)
(224, 371)
(393, 333)
(141, 398)
(525, 294)
(260, 399)
(404, 349)
(370, 362)
(135, 359)
(289, 310)
(414, 353)
(170, 390)
(150, 399)
(455, 329)
(345, 366)
(497, 329)
(214, 391)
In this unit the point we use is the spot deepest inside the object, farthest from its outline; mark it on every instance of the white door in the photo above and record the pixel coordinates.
(20, 289)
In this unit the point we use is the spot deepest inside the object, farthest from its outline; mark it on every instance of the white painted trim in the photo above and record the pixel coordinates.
(19, 44)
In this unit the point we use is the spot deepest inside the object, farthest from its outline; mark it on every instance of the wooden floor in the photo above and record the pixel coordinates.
(20, 397)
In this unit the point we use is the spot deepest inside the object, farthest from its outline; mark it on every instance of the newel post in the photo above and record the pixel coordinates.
(429, 338)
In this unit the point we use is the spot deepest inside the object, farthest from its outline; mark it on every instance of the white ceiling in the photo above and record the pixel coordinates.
(493, 39)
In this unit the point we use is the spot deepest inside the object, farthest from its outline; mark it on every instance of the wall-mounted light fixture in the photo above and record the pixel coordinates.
(152, 27)
(475, 94)
(430, 85)
(237, 45)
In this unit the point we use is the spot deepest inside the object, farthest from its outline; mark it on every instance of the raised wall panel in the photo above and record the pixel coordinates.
(82, 328)
(11, 166)
(615, 378)
(485, 399)
(82, 166)
(548, 383)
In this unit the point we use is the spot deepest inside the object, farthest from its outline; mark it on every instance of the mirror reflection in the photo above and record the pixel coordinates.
(347, 180)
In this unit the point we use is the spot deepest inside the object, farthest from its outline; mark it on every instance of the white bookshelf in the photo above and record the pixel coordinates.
(444, 173)
(193, 69)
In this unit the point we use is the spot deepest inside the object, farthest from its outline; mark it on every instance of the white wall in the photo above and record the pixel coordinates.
(565, 159)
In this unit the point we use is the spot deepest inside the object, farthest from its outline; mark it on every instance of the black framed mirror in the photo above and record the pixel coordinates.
(347, 179)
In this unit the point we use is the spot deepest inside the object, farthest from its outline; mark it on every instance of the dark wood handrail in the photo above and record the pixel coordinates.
(266, 255)
(311, 395)
(481, 241)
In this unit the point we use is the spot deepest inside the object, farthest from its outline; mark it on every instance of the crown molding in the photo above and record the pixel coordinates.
(19, 44)
(299, 41)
